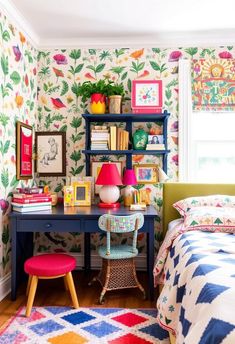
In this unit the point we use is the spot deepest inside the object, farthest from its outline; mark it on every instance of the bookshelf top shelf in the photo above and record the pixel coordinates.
(126, 152)
(130, 117)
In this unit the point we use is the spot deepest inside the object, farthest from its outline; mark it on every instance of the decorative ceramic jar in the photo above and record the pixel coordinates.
(98, 104)
(115, 103)
(140, 139)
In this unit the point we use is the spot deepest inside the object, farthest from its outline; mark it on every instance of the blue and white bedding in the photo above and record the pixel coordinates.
(197, 302)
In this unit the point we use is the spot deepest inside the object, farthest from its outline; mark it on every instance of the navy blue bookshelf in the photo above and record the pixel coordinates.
(128, 119)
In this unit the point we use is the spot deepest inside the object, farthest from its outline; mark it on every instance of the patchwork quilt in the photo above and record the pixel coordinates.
(197, 302)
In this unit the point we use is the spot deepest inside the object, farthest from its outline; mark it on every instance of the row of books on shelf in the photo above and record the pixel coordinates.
(25, 202)
(112, 138)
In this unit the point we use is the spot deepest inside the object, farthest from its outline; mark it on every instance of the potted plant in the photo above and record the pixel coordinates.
(97, 92)
(115, 94)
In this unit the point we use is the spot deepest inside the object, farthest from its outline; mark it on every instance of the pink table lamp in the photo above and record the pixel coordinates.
(129, 179)
(109, 178)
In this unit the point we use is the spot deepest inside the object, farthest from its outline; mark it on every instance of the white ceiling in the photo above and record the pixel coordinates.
(126, 22)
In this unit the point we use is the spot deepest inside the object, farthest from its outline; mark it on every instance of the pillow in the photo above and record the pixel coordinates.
(186, 204)
(213, 219)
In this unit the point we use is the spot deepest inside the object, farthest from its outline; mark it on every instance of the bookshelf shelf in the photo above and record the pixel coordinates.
(128, 119)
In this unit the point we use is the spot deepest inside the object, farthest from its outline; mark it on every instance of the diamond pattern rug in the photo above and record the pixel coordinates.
(65, 325)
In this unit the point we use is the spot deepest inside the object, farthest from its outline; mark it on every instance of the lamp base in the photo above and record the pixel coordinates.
(109, 205)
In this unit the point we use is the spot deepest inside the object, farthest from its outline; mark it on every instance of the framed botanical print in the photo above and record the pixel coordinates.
(146, 173)
(50, 153)
(24, 149)
(146, 96)
(96, 167)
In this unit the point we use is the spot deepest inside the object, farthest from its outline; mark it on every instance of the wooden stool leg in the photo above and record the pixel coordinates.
(69, 279)
(32, 291)
(28, 285)
(65, 284)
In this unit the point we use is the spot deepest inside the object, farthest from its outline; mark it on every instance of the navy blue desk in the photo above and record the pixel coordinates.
(70, 219)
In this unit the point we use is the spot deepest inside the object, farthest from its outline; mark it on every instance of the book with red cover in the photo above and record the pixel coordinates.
(29, 196)
(31, 200)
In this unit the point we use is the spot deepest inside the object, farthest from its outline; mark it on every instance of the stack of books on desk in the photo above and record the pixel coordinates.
(25, 203)
(100, 138)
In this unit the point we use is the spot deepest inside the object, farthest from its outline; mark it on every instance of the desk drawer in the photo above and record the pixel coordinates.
(49, 226)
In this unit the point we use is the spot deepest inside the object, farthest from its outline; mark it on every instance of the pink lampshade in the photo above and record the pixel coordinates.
(109, 175)
(129, 177)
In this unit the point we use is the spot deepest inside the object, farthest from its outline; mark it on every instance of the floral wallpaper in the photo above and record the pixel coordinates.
(40, 88)
(59, 107)
(18, 91)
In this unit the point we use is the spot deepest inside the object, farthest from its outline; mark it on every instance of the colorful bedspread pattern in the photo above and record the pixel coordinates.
(197, 302)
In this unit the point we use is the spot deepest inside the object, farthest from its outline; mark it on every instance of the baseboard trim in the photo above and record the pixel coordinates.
(5, 285)
(140, 261)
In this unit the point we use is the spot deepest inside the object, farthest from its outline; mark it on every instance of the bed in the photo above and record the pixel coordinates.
(197, 301)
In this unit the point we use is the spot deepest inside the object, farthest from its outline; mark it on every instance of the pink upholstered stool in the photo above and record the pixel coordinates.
(48, 266)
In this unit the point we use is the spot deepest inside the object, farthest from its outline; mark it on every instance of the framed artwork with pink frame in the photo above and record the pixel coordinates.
(146, 96)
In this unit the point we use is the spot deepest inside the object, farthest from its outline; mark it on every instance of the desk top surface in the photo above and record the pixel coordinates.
(62, 212)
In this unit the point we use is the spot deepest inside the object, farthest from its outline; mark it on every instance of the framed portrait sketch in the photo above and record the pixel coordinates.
(96, 167)
(146, 96)
(146, 173)
(24, 150)
(51, 153)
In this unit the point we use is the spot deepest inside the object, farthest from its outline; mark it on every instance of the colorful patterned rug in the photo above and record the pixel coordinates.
(64, 325)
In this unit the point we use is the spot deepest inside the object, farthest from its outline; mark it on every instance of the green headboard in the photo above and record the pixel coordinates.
(173, 192)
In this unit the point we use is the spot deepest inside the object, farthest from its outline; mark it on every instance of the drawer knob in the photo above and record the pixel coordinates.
(48, 225)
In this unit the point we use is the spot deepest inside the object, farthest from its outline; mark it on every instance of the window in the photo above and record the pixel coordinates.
(206, 139)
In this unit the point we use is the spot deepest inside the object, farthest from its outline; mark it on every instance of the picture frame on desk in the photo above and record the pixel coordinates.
(24, 150)
(96, 167)
(146, 96)
(51, 153)
(146, 173)
(82, 193)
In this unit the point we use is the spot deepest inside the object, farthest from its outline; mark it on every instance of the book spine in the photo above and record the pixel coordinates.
(27, 210)
(31, 205)
(29, 196)
(31, 200)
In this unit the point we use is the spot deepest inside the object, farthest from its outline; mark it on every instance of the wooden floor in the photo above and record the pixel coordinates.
(52, 293)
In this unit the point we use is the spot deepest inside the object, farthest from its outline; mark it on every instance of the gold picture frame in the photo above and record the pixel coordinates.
(146, 173)
(82, 193)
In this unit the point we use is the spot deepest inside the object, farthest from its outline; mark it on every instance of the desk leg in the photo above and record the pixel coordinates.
(22, 249)
(13, 259)
(150, 257)
(87, 251)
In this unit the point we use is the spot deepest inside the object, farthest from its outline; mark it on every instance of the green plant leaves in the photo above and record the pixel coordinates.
(5, 64)
(75, 54)
(15, 77)
(65, 88)
(4, 147)
(5, 178)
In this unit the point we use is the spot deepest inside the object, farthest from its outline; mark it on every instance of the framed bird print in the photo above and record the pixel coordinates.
(24, 149)
(146, 96)
(50, 153)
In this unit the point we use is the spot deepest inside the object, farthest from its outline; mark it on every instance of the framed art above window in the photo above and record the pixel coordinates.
(51, 153)
(24, 148)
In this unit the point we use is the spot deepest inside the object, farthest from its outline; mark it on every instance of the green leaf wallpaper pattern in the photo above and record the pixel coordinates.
(31, 80)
